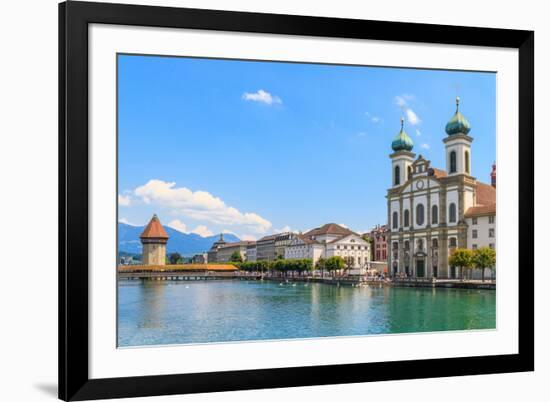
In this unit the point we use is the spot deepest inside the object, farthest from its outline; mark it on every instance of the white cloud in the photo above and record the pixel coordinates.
(373, 118)
(344, 225)
(418, 133)
(425, 146)
(262, 96)
(202, 230)
(412, 117)
(124, 200)
(403, 101)
(178, 225)
(198, 205)
(248, 237)
(362, 134)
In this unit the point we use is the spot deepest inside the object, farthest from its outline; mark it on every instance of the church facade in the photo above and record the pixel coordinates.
(430, 210)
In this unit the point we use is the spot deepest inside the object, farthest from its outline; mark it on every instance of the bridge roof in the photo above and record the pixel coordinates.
(178, 267)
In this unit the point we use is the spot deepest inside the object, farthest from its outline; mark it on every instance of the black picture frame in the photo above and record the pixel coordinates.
(74, 18)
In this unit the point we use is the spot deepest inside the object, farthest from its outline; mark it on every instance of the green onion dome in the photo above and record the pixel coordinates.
(402, 142)
(458, 123)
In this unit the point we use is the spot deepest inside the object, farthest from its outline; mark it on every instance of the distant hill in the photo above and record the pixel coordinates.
(187, 244)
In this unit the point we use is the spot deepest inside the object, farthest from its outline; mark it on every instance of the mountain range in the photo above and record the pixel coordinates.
(187, 244)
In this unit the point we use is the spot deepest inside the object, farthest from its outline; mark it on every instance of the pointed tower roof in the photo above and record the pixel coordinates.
(458, 123)
(402, 141)
(154, 230)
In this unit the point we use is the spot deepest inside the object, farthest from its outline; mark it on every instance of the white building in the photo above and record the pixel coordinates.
(481, 221)
(327, 241)
(251, 252)
(431, 211)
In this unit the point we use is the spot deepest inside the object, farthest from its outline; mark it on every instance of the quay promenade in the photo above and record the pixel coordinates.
(195, 272)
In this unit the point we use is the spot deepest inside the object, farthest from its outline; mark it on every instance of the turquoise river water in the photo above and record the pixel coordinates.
(170, 312)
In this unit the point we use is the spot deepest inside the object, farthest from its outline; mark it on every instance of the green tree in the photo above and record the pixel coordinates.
(305, 265)
(262, 266)
(348, 263)
(321, 265)
(334, 264)
(484, 257)
(280, 266)
(174, 258)
(461, 258)
(236, 257)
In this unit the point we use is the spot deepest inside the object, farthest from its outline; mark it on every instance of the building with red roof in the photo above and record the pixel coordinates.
(154, 239)
(431, 212)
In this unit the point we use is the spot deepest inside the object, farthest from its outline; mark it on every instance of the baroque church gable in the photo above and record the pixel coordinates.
(428, 207)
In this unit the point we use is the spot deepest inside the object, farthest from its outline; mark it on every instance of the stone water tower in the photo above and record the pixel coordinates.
(154, 239)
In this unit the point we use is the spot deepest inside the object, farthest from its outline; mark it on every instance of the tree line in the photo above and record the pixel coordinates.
(481, 258)
(300, 265)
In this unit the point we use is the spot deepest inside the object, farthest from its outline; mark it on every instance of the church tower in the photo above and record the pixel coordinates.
(458, 144)
(154, 239)
(402, 157)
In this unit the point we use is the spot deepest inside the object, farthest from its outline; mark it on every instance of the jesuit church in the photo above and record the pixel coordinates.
(433, 211)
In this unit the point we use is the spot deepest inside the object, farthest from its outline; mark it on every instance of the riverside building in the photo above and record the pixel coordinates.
(226, 251)
(265, 248)
(212, 255)
(380, 242)
(431, 211)
(327, 241)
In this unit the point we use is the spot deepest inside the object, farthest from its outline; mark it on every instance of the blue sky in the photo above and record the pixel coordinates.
(256, 147)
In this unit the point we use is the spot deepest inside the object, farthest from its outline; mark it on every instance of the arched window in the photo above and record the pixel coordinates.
(409, 172)
(435, 216)
(406, 218)
(395, 224)
(396, 176)
(420, 214)
(452, 212)
(467, 161)
(452, 162)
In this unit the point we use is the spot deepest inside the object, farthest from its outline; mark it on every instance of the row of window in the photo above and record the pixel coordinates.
(452, 162)
(491, 233)
(420, 216)
(491, 220)
(491, 245)
(420, 244)
(452, 167)
(352, 247)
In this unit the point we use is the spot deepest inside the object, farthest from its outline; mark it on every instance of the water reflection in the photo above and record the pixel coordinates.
(158, 312)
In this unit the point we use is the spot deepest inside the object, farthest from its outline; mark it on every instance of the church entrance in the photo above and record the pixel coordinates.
(420, 269)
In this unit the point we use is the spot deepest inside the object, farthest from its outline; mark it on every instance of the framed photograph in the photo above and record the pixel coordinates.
(258, 201)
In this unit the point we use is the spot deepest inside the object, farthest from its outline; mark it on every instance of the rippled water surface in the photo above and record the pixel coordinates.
(158, 312)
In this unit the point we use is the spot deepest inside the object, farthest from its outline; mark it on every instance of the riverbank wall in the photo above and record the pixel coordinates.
(355, 281)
